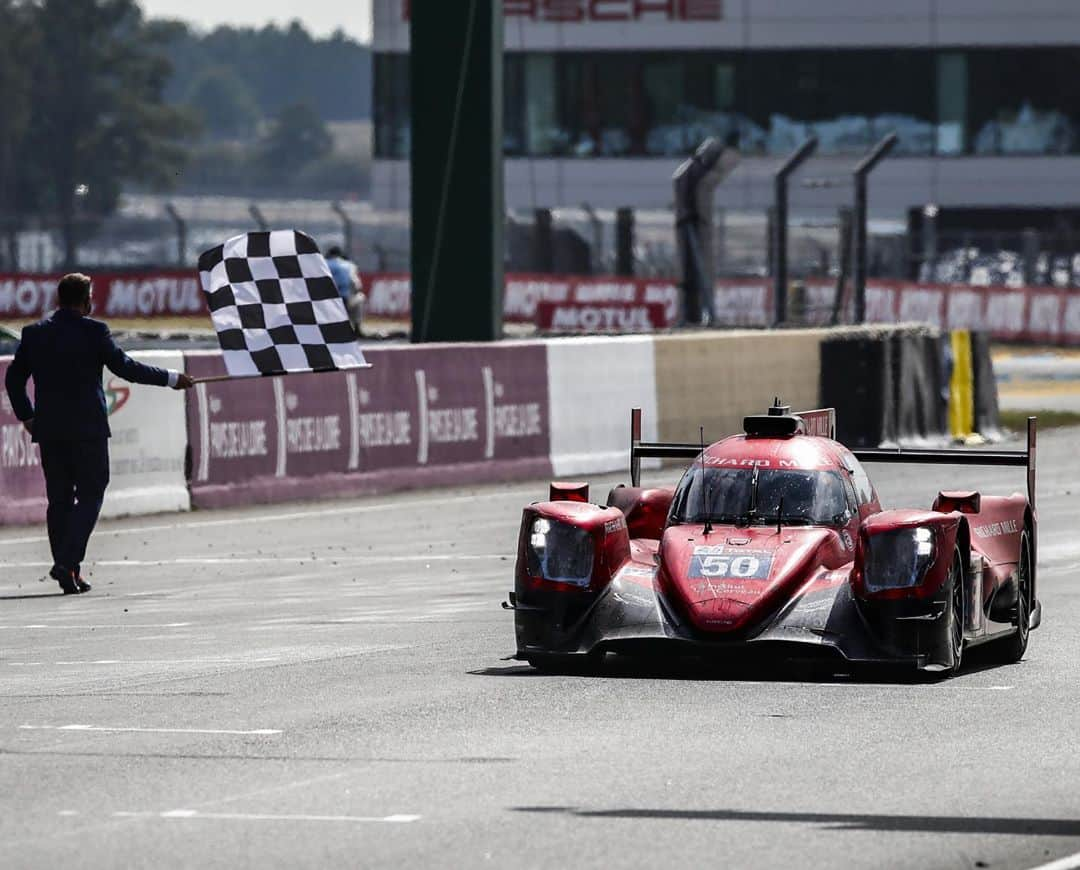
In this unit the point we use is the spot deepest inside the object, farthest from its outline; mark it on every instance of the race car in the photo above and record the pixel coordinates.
(774, 544)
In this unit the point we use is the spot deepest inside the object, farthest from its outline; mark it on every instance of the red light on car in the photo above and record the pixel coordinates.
(563, 491)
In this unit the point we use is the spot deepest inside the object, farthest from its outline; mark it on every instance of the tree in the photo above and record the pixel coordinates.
(224, 103)
(16, 50)
(99, 119)
(296, 137)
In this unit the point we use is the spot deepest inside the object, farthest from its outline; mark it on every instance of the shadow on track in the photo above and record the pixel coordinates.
(786, 671)
(842, 821)
(28, 595)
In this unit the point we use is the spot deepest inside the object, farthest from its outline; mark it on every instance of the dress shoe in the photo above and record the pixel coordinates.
(82, 585)
(66, 578)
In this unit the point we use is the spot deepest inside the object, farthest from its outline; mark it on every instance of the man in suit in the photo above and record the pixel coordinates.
(65, 354)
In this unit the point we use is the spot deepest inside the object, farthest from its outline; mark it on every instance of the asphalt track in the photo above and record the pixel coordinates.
(323, 685)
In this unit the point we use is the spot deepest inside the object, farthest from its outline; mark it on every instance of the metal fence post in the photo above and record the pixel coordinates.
(780, 226)
(181, 233)
(346, 227)
(624, 242)
(929, 242)
(864, 168)
(1031, 256)
(258, 217)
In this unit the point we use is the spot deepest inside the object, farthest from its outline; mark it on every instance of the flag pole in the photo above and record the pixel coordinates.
(216, 379)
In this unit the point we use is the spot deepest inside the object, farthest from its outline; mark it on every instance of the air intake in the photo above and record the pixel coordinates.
(772, 426)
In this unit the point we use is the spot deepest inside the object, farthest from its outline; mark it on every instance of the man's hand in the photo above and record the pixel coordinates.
(28, 425)
(183, 382)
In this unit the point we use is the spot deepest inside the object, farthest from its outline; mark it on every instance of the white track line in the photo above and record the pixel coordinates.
(95, 627)
(266, 560)
(268, 817)
(259, 732)
(400, 818)
(372, 507)
(1069, 862)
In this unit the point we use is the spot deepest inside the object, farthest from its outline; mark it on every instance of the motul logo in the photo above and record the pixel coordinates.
(582, 11)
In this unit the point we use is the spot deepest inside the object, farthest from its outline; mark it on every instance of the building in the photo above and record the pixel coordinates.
(605, 97)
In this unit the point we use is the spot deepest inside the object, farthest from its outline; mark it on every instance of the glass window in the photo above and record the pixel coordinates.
(848, 99)
(733, 495)
(664, 103)
(1024, 101)
(952, 112)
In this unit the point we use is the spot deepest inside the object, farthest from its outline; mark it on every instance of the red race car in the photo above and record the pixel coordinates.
(774, 543)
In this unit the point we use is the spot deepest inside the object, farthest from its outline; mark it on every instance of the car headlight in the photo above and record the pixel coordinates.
(898, 559)
(560, 552)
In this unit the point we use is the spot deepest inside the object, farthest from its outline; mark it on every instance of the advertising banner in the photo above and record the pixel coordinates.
(148, 445)
(593, 318)
(22, 488)
(614, 304)
(161, 293)
(420, 416)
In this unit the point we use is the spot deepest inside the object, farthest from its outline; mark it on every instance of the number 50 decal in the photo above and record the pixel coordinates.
(710, 564)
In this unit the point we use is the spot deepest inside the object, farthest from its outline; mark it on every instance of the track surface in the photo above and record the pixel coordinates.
(383, 728)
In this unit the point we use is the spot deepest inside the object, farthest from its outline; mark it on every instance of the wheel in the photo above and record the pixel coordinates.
(553, 663)
(954, 620)
(1011, 649)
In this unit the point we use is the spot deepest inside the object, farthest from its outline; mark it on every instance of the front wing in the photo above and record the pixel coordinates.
(633, 617)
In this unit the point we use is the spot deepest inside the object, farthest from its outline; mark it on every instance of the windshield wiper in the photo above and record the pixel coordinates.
(751, 511)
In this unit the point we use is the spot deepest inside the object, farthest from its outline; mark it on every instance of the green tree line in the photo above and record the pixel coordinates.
(97, 98)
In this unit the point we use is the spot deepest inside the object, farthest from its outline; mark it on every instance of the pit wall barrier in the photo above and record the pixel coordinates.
(421, 416)
(592, 383)
(434, 415)
(908, 385)
(146, 453)
(714, 379)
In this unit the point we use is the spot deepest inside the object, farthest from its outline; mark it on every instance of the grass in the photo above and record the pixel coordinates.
(1017, 420)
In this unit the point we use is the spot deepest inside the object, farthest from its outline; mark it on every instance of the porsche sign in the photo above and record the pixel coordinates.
(587, 11)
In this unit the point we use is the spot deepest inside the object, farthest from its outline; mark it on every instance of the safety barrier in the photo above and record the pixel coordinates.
(714, 379)
(432, 415)
(918, 399)
(592, 382)
(422, 416)
(858, 378)
(22, 490)
(987, 415)
(149, 440)
(146, 453)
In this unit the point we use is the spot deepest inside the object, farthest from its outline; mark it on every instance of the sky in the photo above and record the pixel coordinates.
(320, 17)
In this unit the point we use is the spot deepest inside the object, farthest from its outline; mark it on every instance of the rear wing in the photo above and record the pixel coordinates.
(822, 422)
(1009, 458)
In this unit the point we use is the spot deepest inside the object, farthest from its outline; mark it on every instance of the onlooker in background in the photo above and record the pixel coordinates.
(347, 278)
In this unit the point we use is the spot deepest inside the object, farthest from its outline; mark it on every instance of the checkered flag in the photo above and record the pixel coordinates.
(275, 307)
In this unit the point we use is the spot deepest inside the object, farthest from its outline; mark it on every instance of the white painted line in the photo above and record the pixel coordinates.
(209, 660)
(400, 818)
(1069, 862)
(95, 627)
(266, 560)
(259, 732)
(372, 507)
(68, 813)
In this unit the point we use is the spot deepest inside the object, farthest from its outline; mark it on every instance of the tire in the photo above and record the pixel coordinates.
(553, 663)
(954, 620)
(1011, 649)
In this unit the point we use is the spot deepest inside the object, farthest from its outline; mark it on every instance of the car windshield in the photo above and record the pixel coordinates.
(745, 495)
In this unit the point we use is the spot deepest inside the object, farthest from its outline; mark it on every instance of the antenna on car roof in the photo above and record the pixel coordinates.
(704, 485)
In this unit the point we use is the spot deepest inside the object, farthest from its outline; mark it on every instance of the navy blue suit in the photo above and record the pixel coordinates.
(65, 355)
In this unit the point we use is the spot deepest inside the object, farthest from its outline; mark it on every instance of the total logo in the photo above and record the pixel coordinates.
(116, 396)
